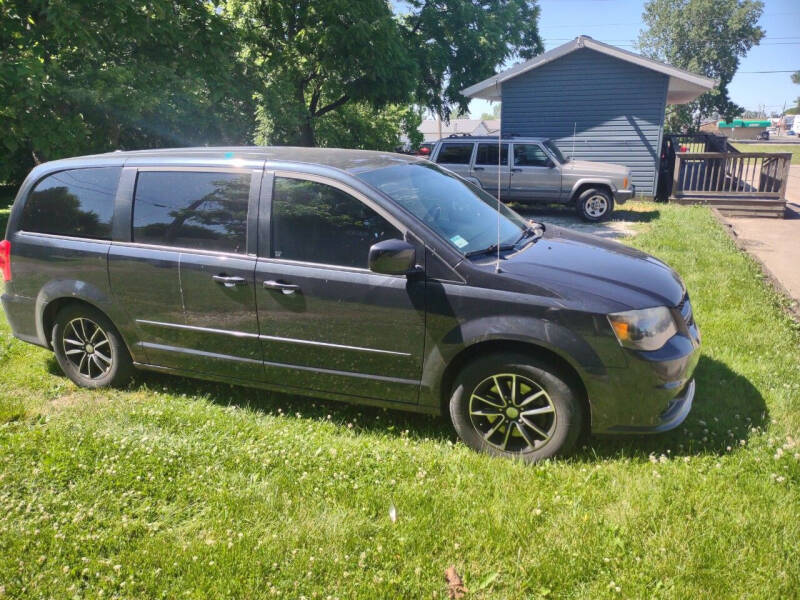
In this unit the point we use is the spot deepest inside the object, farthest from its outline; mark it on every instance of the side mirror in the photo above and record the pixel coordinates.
(392, 257)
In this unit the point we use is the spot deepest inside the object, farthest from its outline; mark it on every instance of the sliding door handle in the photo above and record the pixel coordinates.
(516, 170)
(229, 282)
(478, 169)
(286, 288)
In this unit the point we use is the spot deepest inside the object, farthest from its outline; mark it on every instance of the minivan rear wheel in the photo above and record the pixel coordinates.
(595, 204)
(89, 349)
(516, 406)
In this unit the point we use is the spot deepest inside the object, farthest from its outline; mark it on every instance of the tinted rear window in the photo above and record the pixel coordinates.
(455, 154)
(487, 155)
(77, 203)
(191, 209)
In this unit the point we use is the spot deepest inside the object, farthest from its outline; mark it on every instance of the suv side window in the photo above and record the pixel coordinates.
(530, 155)
(318, 223)
(192, 209)
(487, 154)
(455, 153)
(77, 203)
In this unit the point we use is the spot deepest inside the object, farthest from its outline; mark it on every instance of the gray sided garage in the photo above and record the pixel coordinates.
(613, 101)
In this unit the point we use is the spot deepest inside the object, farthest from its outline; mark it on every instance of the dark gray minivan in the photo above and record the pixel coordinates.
(362, 276)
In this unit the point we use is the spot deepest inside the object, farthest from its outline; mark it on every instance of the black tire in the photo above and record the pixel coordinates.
(92, 363)
(594, 205)
(562, 425)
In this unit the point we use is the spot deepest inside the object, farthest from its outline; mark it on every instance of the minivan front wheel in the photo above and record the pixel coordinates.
(595, 204)
(89, 349)
(515, 406)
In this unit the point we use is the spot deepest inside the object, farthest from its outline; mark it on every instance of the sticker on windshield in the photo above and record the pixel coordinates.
(459, 241)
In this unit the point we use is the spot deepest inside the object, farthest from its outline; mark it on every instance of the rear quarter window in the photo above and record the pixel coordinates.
(75, 203)
(455, 154)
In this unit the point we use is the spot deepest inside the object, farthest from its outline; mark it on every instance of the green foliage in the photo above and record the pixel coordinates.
(314, 58)
(708, 37)
(456, 43)
(86, 76)
(176, 488)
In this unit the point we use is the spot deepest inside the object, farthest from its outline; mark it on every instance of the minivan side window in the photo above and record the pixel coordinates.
(487, 155)
(455, 154)
(192, 209)
(530, 155)
(75, 203)
(318, 223)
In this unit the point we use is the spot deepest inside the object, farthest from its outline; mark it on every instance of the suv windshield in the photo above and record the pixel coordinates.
(460, 212)
(555, 152)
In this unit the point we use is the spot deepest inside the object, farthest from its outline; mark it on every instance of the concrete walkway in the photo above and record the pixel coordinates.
(775, 242)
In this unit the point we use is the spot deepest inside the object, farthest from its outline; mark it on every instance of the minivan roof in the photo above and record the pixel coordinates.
(353, 161)
(491, 138)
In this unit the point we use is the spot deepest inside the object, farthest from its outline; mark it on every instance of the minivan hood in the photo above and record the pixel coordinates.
(586, 269)
(579, 167)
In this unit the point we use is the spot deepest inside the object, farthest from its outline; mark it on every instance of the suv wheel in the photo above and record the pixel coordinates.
(89, 349)
(515, 406)
(595, 204)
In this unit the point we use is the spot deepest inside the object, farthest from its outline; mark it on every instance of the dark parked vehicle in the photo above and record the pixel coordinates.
(351, 275)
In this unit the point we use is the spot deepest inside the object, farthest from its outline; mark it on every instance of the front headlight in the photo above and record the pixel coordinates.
(647, 329)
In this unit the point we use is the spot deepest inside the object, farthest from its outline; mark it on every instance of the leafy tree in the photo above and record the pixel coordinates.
(703, 36)
(83, 76)
(316, 58)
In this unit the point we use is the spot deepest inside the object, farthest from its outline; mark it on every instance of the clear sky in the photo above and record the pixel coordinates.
(618, 22)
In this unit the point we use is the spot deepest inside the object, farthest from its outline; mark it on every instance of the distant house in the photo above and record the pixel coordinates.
(433, 129)
(613, 100)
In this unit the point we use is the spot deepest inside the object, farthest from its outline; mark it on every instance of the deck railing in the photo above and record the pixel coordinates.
(730, 174)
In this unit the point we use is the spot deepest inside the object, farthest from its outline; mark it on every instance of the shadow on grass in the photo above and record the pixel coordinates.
(563, 211)
(726, 409)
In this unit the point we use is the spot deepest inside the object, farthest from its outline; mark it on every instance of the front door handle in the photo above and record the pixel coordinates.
(229, 282)
(477, 168)
(286, 288)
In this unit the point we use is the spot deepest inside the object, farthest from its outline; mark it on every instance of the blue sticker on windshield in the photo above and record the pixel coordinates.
(459, 241)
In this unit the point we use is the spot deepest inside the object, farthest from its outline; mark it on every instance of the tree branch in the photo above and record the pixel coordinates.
(332, 106)
(312, 107)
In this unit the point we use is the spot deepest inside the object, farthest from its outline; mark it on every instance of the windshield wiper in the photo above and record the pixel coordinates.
(489, 249)
(533, 231)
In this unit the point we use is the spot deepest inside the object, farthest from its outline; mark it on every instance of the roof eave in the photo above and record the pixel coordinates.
(490, 89)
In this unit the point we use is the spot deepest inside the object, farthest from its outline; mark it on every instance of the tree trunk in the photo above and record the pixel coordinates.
(307, 132)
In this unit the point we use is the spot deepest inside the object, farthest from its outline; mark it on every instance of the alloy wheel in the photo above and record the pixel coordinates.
(87, 347)
(596, 205)
(512, 413)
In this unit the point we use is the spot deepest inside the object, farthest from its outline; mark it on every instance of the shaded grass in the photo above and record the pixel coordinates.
(794, 149)
(178, 488)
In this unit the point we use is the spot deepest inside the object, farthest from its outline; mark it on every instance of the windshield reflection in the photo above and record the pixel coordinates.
(461, 213)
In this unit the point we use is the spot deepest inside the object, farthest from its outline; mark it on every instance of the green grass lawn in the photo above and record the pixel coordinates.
(182, 489)
(793, 148)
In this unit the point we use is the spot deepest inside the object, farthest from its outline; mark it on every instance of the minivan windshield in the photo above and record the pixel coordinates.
(555, 152)
(458, 211)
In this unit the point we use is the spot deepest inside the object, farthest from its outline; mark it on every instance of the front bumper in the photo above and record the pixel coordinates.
(621, 196)
(655, 391)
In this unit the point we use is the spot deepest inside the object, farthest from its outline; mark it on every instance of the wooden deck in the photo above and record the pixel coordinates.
(737, 183)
